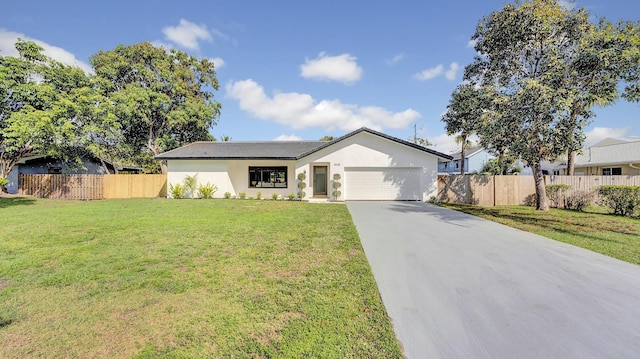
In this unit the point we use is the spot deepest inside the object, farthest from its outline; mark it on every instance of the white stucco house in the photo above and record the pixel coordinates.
(371, 165)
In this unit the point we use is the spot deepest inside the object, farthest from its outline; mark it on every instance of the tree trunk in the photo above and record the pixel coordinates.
(163, 167)
(501, 166)
(571, 163)
(464, 145)
(541, 196)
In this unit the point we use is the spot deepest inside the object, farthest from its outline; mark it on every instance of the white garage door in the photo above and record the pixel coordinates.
(382, 183)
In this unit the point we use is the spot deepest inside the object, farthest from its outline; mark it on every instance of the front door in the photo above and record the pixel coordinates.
(320, 180)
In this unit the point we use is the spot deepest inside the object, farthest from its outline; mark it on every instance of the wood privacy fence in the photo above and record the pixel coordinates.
(85, 187)
(517, 190)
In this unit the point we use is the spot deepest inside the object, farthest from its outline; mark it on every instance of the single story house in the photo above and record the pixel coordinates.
(371, 165)
(609, 157)
(39, 164)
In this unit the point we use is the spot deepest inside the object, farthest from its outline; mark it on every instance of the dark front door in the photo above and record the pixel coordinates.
(320, 181)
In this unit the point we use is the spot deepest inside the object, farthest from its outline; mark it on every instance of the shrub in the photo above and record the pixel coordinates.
(227, 195)
(274, 196)
(259, 195)
(433, 200)
(557, 194)
(292, 196)
(301, 185)
(191, 185)
(579, 200)
(3, 182)
(177, 191)
(531, 200)
(623, 200)
(336, 186)
(206, 191)
(242, 195)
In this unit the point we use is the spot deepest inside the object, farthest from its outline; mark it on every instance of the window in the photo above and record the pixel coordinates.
(269, 177)
(613, 171)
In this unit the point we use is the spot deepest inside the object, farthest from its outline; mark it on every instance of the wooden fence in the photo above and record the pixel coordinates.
(485, 190)
(517, 190)
(86, 187)
(135, 186)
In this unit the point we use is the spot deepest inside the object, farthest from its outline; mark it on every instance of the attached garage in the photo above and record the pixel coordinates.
(382, 183)
(364, 165)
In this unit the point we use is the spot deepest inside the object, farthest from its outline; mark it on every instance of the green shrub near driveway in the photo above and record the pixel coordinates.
(622, 200)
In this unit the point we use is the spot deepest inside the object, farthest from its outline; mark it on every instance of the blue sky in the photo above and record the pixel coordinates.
(299, 69)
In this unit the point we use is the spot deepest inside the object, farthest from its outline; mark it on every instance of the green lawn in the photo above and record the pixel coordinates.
(186, 278)
(615, 236)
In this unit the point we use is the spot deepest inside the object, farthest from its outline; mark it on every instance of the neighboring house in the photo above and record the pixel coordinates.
(371, 165)
(608, 157)
(49, 165)
(474, 161)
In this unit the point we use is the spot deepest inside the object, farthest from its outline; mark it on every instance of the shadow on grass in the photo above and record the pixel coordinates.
(6, 202)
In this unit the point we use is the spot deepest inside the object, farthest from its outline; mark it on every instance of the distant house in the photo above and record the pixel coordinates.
(474, 160)
(49, 165)
(609, 157)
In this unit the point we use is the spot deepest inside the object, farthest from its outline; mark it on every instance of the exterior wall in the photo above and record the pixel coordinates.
(229, 176)
(478, 160)
(239, 175)
(597, 170)
(214, 172)
(366, 150)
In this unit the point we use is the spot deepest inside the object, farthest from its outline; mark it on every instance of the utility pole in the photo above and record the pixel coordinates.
(415, 133)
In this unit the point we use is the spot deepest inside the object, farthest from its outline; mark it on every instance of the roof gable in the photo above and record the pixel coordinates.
(379, 134)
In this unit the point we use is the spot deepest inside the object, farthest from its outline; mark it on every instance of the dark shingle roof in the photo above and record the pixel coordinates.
(267, 150)
(283, 150)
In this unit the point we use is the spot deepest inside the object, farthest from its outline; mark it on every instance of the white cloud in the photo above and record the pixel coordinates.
(298, 110)
(395, 59)
(453, 71)
(164, 45)
(187, 34)
(288, 138)
(447, 144)
(429, 74)
(598, 134)
(8, 40)
(472, 44)
(342, 68)
(434, 72)
(217, 62)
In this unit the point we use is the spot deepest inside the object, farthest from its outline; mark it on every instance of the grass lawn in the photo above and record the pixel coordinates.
(155, 278)
(617, 237)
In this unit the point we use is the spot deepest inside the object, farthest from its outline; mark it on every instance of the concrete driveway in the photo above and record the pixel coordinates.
(456, 286)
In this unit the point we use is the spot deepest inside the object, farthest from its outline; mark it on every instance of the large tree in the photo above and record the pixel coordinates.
(530, 54)
(464, 115)
(40, 107)
(161, 99)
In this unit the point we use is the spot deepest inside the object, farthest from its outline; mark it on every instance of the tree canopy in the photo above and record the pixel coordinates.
(141, 101)
(162, 99)
(541, 67)
(44, 107)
